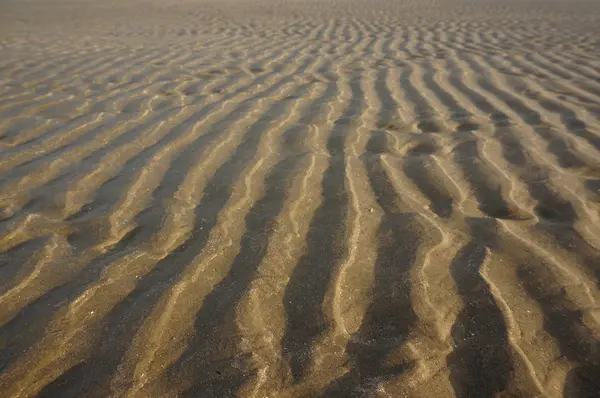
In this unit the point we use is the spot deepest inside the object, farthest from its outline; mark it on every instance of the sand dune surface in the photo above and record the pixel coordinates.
(285, 198)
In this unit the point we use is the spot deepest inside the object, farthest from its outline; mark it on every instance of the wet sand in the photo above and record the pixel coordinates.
(293, 198)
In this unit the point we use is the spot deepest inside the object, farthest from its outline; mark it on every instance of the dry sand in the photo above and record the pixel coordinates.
(289, 198)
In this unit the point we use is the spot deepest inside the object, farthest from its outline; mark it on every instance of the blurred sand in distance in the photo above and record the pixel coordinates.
(285, 198)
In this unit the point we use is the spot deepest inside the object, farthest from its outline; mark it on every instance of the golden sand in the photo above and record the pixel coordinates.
(285, 198)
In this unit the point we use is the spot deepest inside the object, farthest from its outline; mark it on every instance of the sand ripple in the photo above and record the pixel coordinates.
(298, 199)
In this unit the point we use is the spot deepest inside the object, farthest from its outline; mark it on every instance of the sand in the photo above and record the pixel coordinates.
(285, 198)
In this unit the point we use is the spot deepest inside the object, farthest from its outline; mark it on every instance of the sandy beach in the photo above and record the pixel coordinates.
(286, 198)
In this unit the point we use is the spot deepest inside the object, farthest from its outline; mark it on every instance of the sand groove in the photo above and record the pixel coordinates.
(299, 199)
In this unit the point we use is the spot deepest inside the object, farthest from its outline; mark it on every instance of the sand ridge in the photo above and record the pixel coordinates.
(297, 198)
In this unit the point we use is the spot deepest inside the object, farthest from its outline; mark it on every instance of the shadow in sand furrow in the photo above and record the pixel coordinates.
(13, 261)
(109, 194)
(560, 148)
(583, 62)
(98, 67)
(415, 168)
(418, 45)
(388, 111)
(559, 218)
(530, 116)
(582, 382)
(571, 123)
(20, 131)
(512, 67)
(125, 101)
(399, 47)
(292, 55)
(42, 76)
(28, 71)
(336, 31)
(317, 33)
(92, 162)
(422, 108)
(511, 146)
(556, 144)
(112, 142)
(571, 66)
(269, 55)
(153, 286)
(557, 215)
(159, 69)
(215, 324)
(353, 33)
(211, 359)
(564, 321)
(326, 245)
(593, 186)
(550, 207)
(42, 196)
(486, 188)
(540, 66)
(93, 270)
(123, 321)
(86, 136)
(54, 130)
(480, 365)
(568, 117)
(29, 325)
(386, 46)
(115, 70)
(390, 315)
(368, 50)
(457, 112)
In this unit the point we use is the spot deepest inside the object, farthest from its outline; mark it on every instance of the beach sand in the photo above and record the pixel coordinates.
(285, 198)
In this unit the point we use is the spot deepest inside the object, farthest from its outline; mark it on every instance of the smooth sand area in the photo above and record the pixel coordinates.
(286, 198)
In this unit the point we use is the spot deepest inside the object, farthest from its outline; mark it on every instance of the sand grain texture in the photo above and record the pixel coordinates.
(285, 198)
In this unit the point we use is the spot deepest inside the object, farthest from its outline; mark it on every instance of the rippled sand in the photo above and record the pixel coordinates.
(292, 198)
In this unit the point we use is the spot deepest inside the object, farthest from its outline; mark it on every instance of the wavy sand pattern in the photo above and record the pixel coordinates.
(285, 198)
